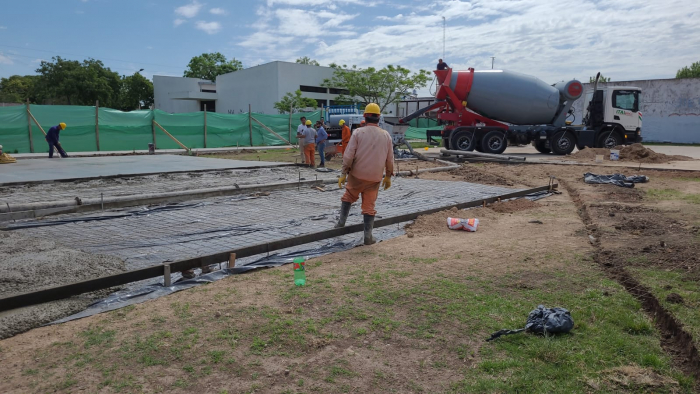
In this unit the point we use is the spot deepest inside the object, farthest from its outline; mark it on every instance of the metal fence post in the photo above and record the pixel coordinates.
(29, 128)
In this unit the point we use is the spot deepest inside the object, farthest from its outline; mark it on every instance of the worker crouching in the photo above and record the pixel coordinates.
(368, 154)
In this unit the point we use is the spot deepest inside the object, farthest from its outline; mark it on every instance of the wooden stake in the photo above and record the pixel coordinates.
(270, 130)
(232, 260)
(250, 125)
(170, 135)
(205, 125)
(40, 128)
(97, 124)
(29, 128)
(153, 128)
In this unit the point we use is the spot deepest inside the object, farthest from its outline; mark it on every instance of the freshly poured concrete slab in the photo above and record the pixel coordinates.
(46, 170)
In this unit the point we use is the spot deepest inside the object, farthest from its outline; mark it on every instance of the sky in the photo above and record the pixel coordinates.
(551, 39)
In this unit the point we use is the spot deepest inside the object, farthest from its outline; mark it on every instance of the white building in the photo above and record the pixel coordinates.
(260, 87)
(179, 94)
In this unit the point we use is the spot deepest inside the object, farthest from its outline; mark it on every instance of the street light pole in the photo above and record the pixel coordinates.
(492, 57)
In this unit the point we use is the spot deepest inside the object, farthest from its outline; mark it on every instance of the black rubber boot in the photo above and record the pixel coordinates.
(369, 225)
(344, 212)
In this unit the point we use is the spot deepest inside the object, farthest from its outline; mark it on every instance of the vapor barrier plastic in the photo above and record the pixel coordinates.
(142, 293)
(615, 179)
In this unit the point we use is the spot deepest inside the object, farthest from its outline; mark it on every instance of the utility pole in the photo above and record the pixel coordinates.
(443, 37)
(492, 57)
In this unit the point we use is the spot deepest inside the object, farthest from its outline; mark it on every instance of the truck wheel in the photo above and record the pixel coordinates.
(541, 146)
(494, 142)
(609, 139)
(563, 143)
(462, 140)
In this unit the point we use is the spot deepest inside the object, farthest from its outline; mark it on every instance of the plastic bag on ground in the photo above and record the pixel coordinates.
(542, 320)
(463, 224)
(615, 179)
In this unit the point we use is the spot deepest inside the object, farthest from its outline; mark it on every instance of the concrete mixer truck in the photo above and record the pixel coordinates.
(487, 110)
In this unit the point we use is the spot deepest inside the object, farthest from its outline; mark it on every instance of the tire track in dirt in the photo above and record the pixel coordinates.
(675, 341)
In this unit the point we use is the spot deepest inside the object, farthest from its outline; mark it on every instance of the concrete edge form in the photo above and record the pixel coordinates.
(65, 291)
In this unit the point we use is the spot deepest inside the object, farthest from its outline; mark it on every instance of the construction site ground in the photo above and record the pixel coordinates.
(411, 314)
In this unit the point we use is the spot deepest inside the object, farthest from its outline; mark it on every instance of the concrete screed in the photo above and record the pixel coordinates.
(144, 237)
(47, 170)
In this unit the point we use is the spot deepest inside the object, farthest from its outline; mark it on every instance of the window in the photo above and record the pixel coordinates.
(338, 91)
(312, 89)
(208, 91)
(626, 99)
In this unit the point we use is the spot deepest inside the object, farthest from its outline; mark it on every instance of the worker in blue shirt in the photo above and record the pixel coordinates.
(321, 138)
(442, 65)
(52, 139)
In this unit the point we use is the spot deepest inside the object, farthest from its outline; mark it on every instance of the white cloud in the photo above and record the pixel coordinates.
(218, 11)
(177, 22)
(3, 27)
(624, 40)
(189, 10)
(5, 59)
(208, 27)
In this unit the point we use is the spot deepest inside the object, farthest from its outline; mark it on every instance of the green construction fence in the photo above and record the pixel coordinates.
(128, 131)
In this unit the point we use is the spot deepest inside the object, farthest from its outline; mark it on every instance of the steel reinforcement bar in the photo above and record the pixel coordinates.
(65, 291)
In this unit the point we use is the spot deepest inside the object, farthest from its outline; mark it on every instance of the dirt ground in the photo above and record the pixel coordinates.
(411, 314)
(636, 153)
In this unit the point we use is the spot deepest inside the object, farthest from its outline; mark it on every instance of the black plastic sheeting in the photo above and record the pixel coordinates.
(131, 296)
(542, 320)
(615, 179)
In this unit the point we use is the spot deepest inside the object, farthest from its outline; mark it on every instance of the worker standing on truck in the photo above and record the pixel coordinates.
(309, 144)
(368, 154)
(300, 136)
(345, 135)
(321, 138)
(442, 65)
(52, 139)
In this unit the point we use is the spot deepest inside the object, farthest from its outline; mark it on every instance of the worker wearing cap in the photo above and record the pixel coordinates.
(310, 135)
(300, 137)
(368, 154)
(52, 139)
(345, 136)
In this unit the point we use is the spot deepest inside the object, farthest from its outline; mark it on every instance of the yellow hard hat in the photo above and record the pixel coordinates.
(342, 122)
(372, 108)
(308, 122)
(63, 125)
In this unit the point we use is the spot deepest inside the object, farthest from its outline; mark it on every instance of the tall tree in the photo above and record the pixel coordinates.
(601, 79)
(74, 83)
(136, 91)
(17, 89)
(293, 102)
(307, 60)
(689, 72)
(370, 85)
(210, 65)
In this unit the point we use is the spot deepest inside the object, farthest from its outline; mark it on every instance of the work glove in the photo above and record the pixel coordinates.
(341, 180)
(386, 182)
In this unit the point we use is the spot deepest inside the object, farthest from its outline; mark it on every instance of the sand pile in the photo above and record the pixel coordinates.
(637, 153)
(511, 206)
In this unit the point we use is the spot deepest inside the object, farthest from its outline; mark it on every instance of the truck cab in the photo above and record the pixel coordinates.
(613, 117)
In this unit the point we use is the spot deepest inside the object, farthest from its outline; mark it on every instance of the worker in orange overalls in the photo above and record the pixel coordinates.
(345, 136)
(368, 154)
(310, 135)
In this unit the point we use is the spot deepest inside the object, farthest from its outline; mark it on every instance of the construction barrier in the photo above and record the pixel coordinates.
(104, 129)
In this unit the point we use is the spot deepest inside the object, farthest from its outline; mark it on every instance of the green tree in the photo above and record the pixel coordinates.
(74, 83)
(601, 79)
(689, 72)
(210, 65)
(370, 85)
(307, 60)
(136, 91)
(294, 101)
(17, 89)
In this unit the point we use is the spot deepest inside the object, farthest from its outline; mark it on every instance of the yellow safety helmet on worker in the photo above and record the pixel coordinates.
(308, 122)
(62, 125)
(342, 122)
(372, 113)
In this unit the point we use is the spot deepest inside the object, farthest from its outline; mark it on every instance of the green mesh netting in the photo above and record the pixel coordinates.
(120, 131)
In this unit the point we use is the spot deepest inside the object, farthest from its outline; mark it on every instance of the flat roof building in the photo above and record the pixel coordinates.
(259, 86)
